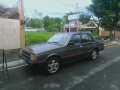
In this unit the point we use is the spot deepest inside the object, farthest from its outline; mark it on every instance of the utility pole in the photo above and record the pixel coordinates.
(77, 15)
(22, 23)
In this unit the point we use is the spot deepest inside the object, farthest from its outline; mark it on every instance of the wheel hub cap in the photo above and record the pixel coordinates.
(94, 54)
(53, 66)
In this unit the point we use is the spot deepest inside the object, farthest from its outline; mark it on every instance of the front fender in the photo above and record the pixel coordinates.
(52, 55)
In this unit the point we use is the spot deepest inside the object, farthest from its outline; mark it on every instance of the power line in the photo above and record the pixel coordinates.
(72, 6)
(64, 3)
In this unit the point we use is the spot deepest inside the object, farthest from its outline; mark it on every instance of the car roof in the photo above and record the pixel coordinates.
(71, 33)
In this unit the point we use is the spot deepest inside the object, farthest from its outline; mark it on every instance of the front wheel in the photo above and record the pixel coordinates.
(52, 65)
(93, 54)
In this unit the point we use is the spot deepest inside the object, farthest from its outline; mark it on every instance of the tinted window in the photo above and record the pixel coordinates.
(75, 38)
(86, 38)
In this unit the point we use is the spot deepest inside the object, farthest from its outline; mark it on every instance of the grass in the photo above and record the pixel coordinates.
(37, 37)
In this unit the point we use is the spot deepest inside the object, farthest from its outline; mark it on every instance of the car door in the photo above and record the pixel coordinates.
(73, 52)
(87, 44)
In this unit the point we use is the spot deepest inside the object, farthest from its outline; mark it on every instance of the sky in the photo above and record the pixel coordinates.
(52, 8)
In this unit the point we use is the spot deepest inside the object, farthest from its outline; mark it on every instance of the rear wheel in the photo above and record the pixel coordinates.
(93, 54)
(52, 65)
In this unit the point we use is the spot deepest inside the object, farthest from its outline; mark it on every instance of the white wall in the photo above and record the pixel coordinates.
(9, 34)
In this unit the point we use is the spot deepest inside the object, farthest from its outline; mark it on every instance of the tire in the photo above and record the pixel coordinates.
(52, 65)
(93, 55)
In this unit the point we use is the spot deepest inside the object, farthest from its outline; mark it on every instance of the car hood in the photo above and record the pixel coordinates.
(40, 48)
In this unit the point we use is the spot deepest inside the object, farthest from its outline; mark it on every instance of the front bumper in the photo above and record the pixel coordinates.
(28, 61)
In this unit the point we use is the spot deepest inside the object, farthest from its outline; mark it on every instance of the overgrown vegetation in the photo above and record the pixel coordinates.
(37, 37)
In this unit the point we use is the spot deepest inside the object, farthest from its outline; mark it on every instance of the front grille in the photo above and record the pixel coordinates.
(26, 55)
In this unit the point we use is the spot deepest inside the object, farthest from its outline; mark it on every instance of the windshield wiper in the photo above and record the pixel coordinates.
(55, 43)
(52, 42)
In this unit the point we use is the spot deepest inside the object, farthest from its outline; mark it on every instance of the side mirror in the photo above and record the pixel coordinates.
(70, 43)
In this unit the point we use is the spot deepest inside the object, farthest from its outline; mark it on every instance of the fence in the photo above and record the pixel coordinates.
(3, 63)
(107, 33)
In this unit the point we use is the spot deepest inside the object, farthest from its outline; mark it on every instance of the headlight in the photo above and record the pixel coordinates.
(34, 58)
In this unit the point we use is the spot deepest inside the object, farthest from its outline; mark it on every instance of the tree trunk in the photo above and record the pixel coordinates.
(111, 34)
(114, 34)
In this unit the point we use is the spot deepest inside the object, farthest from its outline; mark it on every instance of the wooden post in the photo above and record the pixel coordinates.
(22, 23)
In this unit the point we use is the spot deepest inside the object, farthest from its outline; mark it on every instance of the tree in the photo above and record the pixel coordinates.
(107, 12)
(84, 18)
(52, 24)
(2, 10)
(11, 12)
(46, 21)
(34, 22)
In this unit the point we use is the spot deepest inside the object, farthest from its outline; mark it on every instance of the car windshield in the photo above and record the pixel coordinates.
(61, 39)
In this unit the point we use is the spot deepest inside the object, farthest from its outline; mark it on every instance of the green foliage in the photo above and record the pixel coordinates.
(37, 37)
(46, 22)
(95, 34)
(107, 12)
(84, 18)
(35, 22)
(2, 10)
(52, 24)
(65, 19)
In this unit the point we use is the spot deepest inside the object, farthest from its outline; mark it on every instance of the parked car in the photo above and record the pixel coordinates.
(104, 38)
(62, 48)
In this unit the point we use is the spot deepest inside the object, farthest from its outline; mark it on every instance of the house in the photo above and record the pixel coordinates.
(73, 23)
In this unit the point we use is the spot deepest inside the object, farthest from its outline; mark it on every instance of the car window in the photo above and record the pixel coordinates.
(86, 38)
(60, 39)
(75, 38)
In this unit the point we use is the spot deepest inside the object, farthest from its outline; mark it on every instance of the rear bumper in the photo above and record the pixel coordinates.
(101, 47)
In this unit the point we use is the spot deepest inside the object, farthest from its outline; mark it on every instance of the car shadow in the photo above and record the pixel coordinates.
(34, 70)
(78, 62)
(38, 69)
